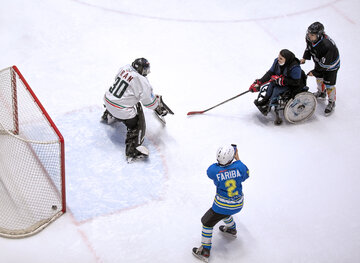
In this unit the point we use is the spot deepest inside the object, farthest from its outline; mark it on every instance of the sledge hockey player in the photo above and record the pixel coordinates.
(228, 174)
(122, 103)
(322, 49)
(284, 74)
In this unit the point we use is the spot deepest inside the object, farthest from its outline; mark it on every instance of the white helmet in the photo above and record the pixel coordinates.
(225, 154)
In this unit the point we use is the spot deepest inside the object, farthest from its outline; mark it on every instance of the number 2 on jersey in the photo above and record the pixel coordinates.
(231, 186)
(119, 87)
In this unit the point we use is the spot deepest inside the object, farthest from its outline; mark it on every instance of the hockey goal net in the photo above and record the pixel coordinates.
(32, 175)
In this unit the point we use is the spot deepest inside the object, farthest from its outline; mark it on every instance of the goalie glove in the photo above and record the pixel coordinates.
(161, 109)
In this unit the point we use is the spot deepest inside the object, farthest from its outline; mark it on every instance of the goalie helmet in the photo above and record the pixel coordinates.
(315, 28)
(225, 155)
(142, 66)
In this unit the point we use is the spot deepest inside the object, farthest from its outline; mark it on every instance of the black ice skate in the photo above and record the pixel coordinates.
(141, 152)
(228, 231)
(107, 117)
(201, 253)
(329, 108)
(104, 117)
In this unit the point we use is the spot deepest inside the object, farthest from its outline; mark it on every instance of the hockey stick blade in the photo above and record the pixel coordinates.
(195, 112)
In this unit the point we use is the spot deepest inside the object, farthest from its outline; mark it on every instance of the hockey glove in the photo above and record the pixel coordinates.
(255, 86)
(161, 109)
(279, 80)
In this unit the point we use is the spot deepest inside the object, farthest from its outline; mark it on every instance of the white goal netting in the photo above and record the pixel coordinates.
(32, 190)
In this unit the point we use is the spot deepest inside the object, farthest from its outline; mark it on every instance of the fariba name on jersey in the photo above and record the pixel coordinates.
(226, 175)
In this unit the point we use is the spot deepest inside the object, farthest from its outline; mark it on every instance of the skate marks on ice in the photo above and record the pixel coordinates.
(99, 180)
(172, 14)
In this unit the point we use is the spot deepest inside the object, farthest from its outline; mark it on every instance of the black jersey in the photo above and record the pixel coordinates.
(324, 53)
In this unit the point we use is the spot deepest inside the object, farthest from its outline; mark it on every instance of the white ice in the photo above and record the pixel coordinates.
(302, 197)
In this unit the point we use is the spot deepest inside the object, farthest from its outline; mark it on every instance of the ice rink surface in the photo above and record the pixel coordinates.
(301, 200)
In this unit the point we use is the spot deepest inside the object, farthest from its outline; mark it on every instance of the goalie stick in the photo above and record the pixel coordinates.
(201, 112)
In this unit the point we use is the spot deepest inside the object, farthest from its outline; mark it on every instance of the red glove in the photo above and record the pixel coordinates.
(255, 86)
(279, 80)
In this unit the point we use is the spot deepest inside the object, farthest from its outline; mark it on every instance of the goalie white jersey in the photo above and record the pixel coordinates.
(128, 89)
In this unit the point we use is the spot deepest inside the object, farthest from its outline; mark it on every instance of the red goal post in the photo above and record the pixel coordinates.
(32, 160)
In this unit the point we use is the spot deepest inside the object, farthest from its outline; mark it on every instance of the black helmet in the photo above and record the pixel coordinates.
(316, 28)
(142, 66)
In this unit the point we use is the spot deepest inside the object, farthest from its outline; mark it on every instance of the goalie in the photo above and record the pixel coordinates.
(124, 100)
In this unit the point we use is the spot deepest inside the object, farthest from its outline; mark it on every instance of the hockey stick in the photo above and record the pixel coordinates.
(201, 112)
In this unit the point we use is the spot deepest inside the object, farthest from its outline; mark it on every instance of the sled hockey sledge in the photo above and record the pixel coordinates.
(296, 108)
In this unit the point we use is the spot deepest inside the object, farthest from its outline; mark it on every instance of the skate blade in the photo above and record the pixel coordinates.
(328, 114)
(204, 259)
(133, 159)
(228, 234)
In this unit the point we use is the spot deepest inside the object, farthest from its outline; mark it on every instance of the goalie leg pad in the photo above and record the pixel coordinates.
(132, 135)
(141, 122)
(135, 131)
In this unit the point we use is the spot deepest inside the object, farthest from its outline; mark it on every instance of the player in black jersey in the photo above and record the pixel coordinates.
(322, 49)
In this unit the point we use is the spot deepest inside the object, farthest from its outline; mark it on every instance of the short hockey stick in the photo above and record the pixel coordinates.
(201, 112)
